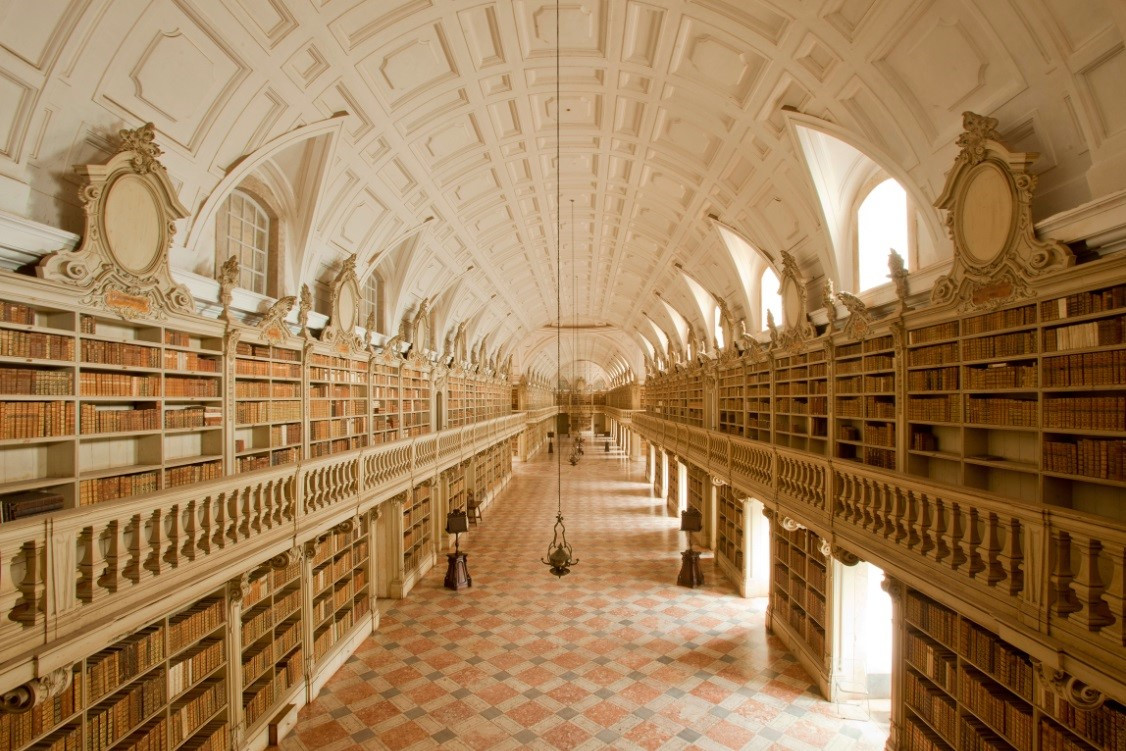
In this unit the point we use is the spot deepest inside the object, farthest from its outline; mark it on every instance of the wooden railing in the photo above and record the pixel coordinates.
(109, 568)
(1052, 576)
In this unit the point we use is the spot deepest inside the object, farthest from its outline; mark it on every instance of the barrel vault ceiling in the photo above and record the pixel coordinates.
(437, 118)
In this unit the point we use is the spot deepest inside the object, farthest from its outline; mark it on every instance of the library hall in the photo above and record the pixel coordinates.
(562, 374)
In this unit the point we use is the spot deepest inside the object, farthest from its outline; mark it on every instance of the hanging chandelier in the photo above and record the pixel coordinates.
(560, 557)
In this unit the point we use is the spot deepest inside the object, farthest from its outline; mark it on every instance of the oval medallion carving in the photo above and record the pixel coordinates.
(986, 214)
(347, 303)
(132, 223)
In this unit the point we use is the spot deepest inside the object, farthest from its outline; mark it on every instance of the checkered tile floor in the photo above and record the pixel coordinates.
(612, 656)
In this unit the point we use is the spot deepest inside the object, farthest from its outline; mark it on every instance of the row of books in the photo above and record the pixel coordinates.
(1000, 376)
(99, 419)
(331, 375)
(26, 344)
(193, 417)
(118, 384)
(923, 441)
(267, 369)
(974, 736)
(260, 699)
(1087, 369)
(35, 382)
(1104, 726)
(933, 379)
(35, 419)
(993, 656)
(191, 387)
(1001, 411)
(256, 624)
(195, 623)
(934, 408)
(21, 505)
(267, 390)
(326, 391)
(993, 705)
(933, 705)
(187, 672)
(1084, 303)
(272, 411)
(186, 719)
(1001, 319)
(937, 354)
(108, 669)
(937, 663)
(110, 488)
(320, 410)
(1105, 459)
(191, 361)
(285, 435)
(325, 429)
(879, 457)
(935, 333)
(1052, 738)
(265, 350)
(120, 353)
(1102, 333)
(1002, 345)
(110, 722)
(936, 620)
(918, 737)
(193, 473)
(1086, 413)
(255, 663)
(14, 312)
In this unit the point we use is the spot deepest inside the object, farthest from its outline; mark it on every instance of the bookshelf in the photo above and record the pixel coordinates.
(459, 401)
(339, 585)
(416, 400)
(696, 496)
(799, 591)
(731, 383)
(268, 405)
(161, 687)
(801, 401)
(271, 637)
(337, 403)
(758, 399)
(965, 687)
(384, 401)
(731, 534)
(193, 407)
(865, 402)
(418, 513)
(693, 391)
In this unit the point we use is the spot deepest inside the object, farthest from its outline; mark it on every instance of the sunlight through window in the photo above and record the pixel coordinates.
(881, 225)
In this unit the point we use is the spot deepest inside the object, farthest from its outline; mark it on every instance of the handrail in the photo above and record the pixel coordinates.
(111, 563)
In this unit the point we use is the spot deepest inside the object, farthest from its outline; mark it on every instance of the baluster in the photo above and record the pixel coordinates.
(1011, 555)
(89, 566)
(1088, 586)
(952, 535)
(971, 541)
(175, 535)
(31, 585)
(900, 516)
(1061, 598)
(154, 561)
(1115, 595)
(933, 525)
(991, 548)
(135, 531)
(198, 523)
(219, 521)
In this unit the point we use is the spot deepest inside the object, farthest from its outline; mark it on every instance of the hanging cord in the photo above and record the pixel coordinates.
(558, 266)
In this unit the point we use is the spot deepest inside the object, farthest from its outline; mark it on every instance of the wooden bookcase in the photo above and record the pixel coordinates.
(865, 390)
(800, 589)
(269, 407)
(385, 415)
(337, 404)
(418, 514)
(732, 384)
(272, 641)
(966, 688)
(162, 687)
(339, 584)
(416, 400)
(731, 532)
(758, 399)
(693, 410)
(696, 498)
(459, 404)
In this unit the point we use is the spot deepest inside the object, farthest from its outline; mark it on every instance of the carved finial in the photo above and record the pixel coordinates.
(828, 303)
(142, 142)
(274, 318)
(348, 266)
(859, 319)
(304, 308)
(978, 130)
(369, 324)
(789, 266)
(228, 280)
(772, 327)
(898, 275)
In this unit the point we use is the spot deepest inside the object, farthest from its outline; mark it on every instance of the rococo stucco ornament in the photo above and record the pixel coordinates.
(988, 200)
(1069, 688)
(859, 320)
(131, 208)
(23, 698)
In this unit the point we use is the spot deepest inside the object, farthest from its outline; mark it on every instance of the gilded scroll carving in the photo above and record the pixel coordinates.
(23, 698)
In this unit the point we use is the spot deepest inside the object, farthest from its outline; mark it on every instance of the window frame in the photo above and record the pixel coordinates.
(910, 253)
(227, 245)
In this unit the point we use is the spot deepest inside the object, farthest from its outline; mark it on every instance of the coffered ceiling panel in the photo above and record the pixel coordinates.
(446, 113)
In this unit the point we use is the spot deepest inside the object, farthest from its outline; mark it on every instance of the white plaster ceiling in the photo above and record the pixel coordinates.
(670, 111)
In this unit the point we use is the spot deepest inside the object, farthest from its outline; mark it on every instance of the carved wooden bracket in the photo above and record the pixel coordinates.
(1069, 688)
(23, 698)
(988, 197)
(894, 588)
(272, 325)
(286, 558)
(845, 557)
(131, 209)
(788, 524)
(238, 587)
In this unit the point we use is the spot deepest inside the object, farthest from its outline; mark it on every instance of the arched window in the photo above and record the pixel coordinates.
(717, 322)
(770, 294)
(373, 296)
(244, 232)
(881, 224)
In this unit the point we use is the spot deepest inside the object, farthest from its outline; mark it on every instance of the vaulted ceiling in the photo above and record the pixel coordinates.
(421, 136)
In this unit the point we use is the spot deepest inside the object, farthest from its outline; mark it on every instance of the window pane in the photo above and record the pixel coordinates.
(771, 297)
(881, 225)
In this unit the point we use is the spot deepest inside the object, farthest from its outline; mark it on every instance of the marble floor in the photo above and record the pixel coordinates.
(614, 655)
